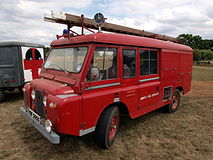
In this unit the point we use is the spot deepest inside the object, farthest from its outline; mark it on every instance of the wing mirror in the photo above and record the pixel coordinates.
(94, 73)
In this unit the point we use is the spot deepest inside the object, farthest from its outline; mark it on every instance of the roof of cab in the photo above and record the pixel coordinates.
(121, 39)
(16, 43)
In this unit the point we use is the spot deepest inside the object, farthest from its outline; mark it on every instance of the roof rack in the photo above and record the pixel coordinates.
(86, 23)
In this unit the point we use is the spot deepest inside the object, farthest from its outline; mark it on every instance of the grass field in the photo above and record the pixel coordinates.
(184, 135)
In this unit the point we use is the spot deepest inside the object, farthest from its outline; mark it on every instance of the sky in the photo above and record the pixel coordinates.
(22, 20)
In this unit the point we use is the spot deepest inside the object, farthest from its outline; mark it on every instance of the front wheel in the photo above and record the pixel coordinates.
(107, 127)
(175, 102)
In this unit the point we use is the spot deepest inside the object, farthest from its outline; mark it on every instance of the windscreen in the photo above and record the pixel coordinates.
(66, 59)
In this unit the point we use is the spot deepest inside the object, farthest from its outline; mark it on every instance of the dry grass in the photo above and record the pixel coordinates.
(202, 73)
(186, 134)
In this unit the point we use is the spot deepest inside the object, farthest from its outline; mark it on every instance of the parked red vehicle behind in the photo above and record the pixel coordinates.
(88, 81)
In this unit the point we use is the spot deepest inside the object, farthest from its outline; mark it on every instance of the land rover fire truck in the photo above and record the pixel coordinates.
(89, 81)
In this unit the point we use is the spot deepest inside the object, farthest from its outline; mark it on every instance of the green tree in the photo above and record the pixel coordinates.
(207, 44)
(209, 55)
(197, 55)
(193, 41)
(202, 55)
(46, 51)
(196, 42)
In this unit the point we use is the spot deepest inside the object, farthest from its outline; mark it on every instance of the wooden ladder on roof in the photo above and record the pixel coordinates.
(86, 23)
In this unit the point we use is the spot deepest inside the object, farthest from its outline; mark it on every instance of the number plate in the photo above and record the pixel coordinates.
(34, 115)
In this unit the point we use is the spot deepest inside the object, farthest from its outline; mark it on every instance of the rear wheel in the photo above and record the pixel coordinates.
(175, 102)
(2, 95)
(107, 127)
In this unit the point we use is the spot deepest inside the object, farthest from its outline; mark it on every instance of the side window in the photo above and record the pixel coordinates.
(148, 62)
(8, 55)
(129, 63)
(29, 55)
(37, 55)
(105, 59)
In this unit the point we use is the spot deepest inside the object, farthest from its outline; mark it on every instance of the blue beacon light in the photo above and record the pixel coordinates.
(65, 31)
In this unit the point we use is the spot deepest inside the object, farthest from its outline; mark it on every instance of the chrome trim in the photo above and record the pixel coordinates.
(66, 95)
(149, 96)
(103, 86)
(52, 137)
(86, 131)
(69, 92)
(116, 99)
(149, 79)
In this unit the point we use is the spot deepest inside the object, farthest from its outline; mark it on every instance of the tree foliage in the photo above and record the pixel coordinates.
(202, 55)
(207, 44)
(46, 51)
(196, 42)
(202, 48)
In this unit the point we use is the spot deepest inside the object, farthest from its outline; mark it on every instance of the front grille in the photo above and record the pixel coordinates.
(39, 106)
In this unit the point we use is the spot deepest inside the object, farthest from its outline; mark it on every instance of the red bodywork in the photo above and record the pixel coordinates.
(79, 108)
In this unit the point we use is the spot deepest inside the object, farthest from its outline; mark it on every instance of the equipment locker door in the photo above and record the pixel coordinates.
(186, 58)
(149, 81)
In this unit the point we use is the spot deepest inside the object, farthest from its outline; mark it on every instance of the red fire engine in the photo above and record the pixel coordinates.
(88, 81)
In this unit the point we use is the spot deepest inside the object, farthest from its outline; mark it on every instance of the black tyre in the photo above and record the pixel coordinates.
(2, 95)
(175, 102)
(11, 89)
(20, 89)
(107, 127)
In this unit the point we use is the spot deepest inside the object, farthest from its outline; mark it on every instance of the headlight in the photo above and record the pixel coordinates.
(33, 94)
(45, 101)
(48, 126)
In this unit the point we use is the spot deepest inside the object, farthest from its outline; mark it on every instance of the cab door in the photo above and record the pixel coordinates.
(102, 90)
(129, 80)
(149, 81)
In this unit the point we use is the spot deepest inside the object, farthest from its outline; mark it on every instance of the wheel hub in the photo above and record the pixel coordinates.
(113, 127)
(174, 102)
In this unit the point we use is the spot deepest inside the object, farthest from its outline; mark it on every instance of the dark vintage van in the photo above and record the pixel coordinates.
(20, 63)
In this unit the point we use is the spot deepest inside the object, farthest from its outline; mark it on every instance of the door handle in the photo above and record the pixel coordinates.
(130, 92)
(157, 88)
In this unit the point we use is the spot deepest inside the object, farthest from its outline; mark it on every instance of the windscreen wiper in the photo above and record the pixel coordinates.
(62, 69)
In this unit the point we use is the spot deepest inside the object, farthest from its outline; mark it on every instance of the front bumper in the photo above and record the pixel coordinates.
(52, 137)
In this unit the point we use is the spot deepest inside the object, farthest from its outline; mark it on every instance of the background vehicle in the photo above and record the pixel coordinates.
(88, 81)
(20, 62)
